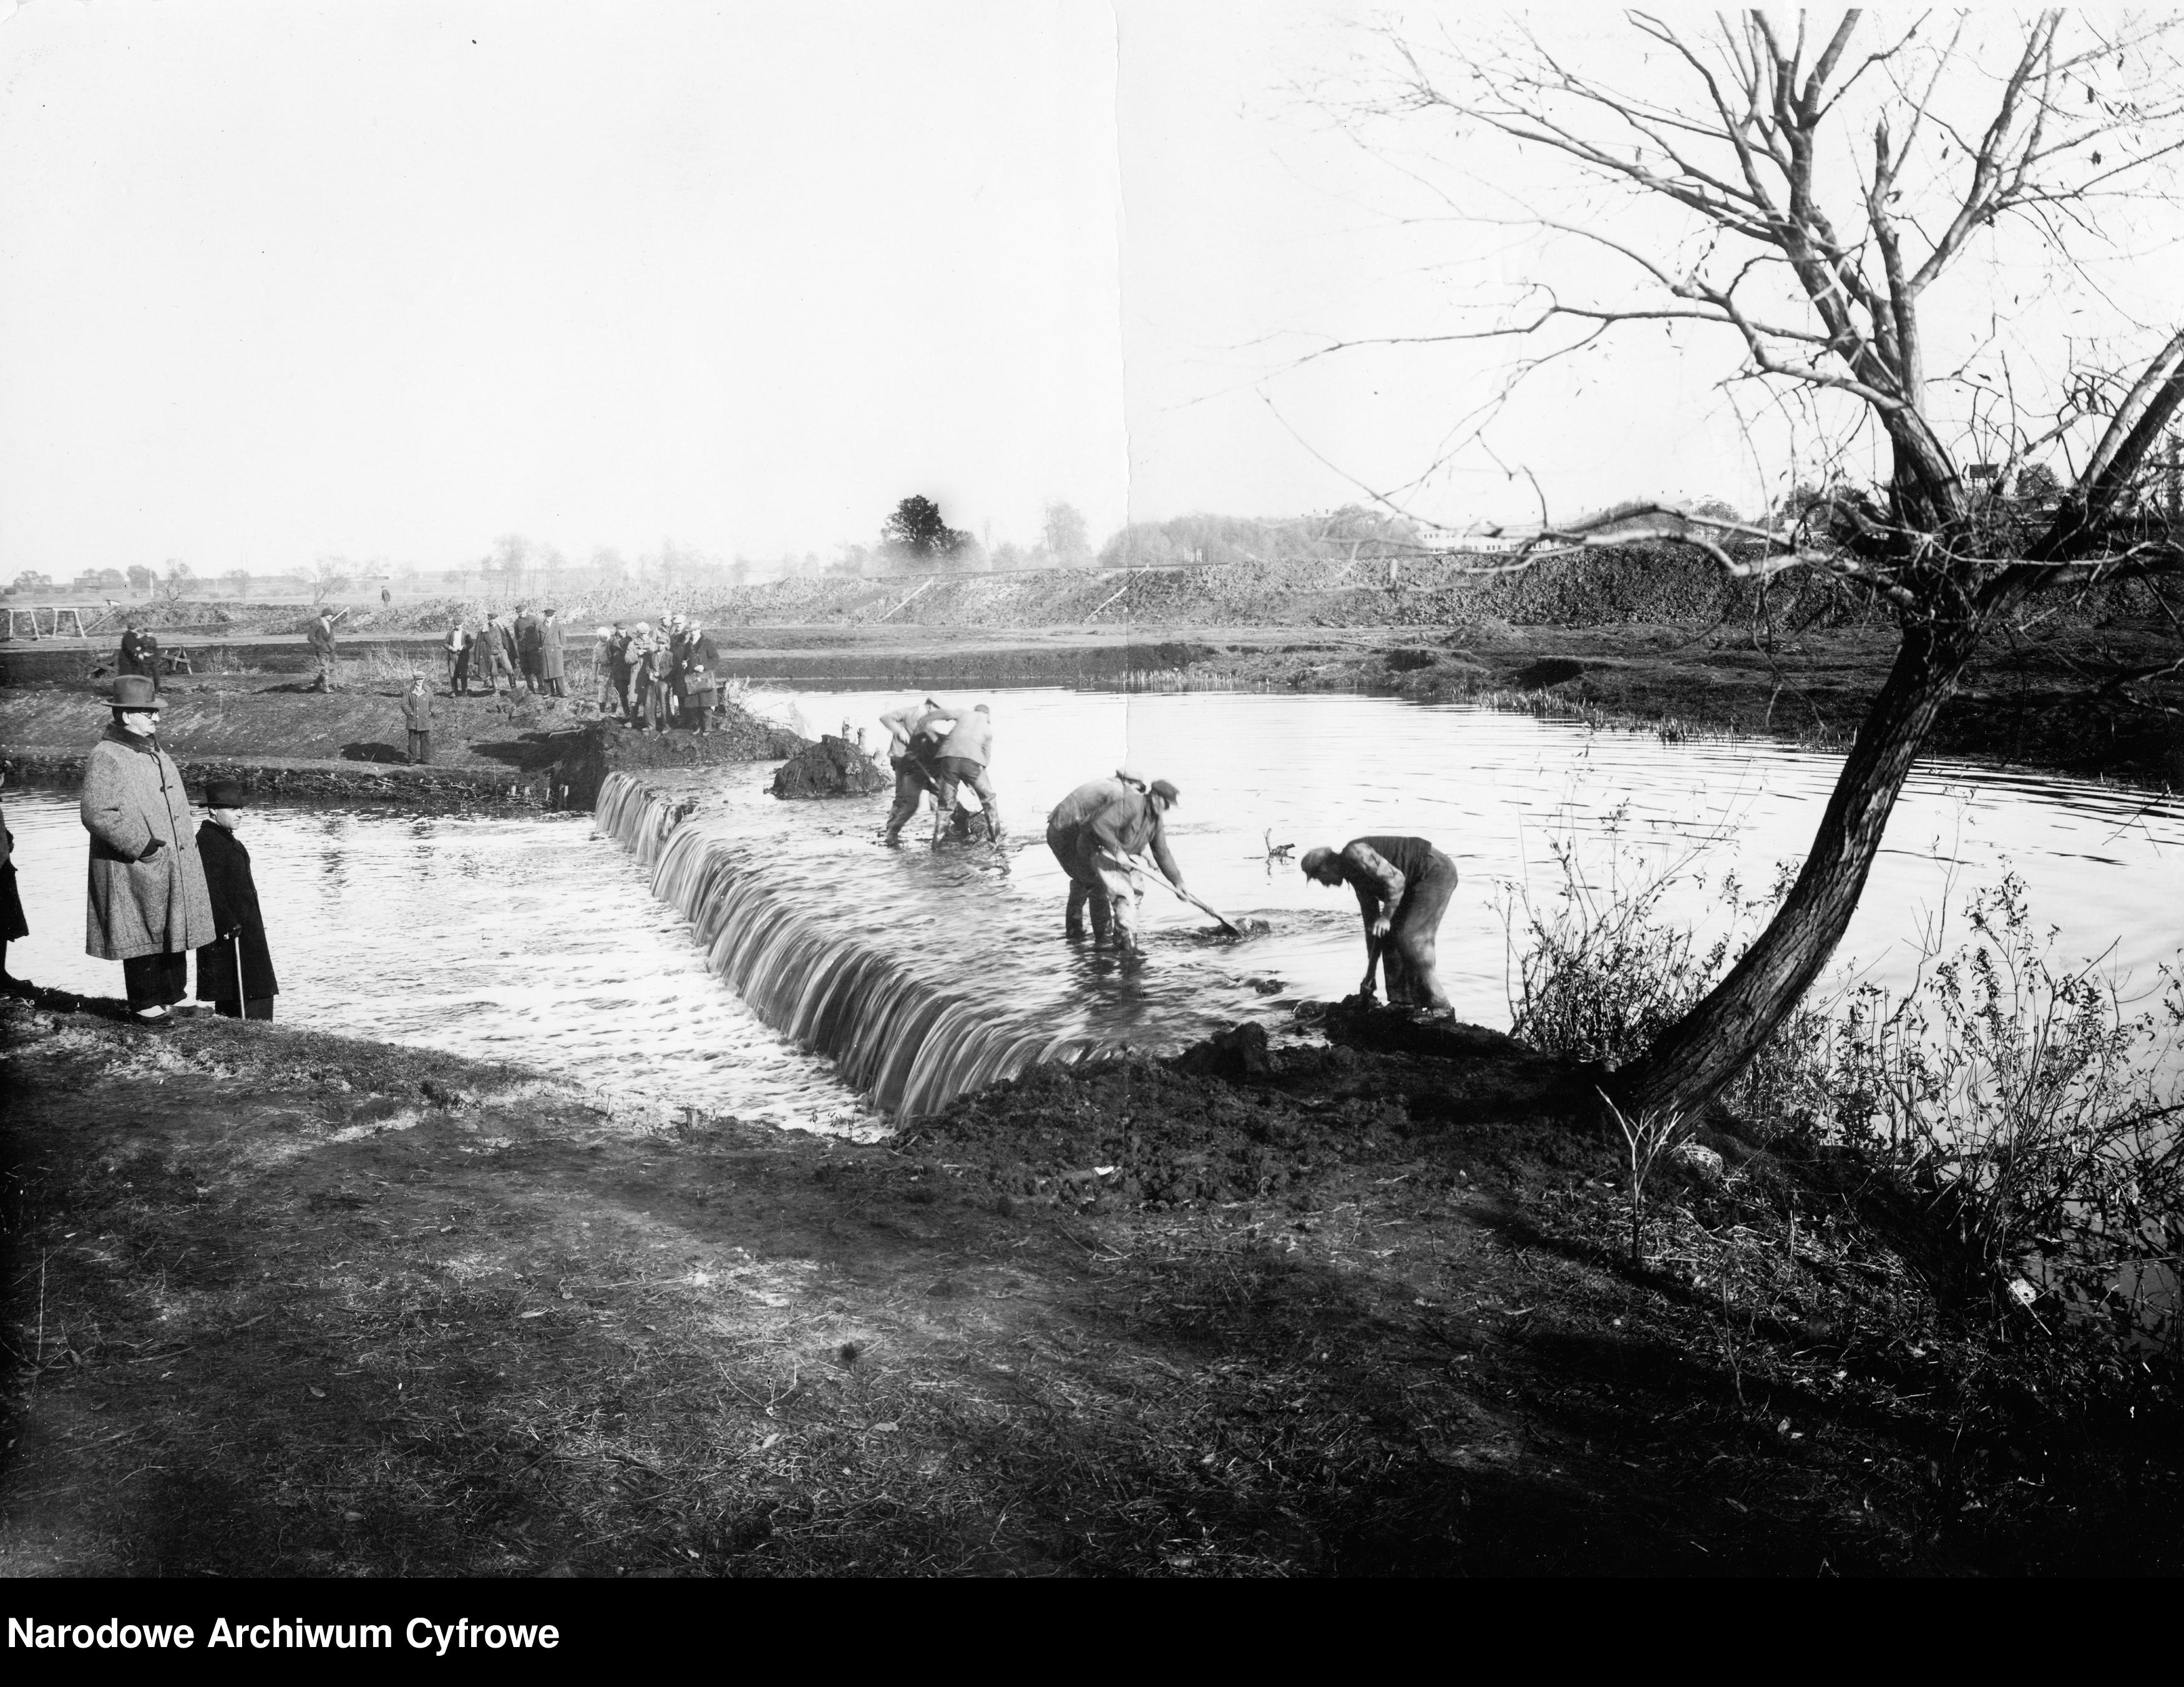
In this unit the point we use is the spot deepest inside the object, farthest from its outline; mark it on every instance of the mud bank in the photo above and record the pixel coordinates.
(2043, 705)
(349, 744)
(288, 1304)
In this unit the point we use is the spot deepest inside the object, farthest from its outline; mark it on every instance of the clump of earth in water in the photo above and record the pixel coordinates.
(833, 766)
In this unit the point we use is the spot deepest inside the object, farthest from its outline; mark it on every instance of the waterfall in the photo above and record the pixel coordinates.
(907, 1043)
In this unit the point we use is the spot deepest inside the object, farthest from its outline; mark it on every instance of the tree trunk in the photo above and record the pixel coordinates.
(1702, 1052)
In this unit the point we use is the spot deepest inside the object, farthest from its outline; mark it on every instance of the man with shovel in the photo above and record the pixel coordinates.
(1403, 886)
(1094, 832)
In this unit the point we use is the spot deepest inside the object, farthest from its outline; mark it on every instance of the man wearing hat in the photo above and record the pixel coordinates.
(146, 905)
(234, 972)
(140, 652)
(525, 632)
(1094, 832)
(417, 719)
(320, 636)
(553, 658)
(1403, 886)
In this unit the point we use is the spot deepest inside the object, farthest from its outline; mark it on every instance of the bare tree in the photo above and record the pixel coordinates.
(329, 574)
(1804, 187)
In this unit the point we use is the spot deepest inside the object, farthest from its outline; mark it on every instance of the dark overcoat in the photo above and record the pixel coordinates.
(234, 911)
(136, 904)
(12, 923)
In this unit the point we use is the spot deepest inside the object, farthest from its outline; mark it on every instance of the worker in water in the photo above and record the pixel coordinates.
(963, 760)
(1094, 832)
(1403, 886)
(915, 731)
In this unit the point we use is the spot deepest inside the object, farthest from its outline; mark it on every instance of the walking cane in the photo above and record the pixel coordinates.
(235, 951)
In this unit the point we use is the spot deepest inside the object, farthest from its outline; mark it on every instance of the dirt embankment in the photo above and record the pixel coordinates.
(286, 1304)
(2046, 704)
(282, 739)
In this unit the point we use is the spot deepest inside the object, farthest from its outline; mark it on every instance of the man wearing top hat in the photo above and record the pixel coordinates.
(146, 904)
(235, 972)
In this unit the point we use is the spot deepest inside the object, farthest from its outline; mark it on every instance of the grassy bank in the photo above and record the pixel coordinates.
(282, 1302)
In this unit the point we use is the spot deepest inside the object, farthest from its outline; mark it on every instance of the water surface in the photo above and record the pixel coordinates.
(529, 938)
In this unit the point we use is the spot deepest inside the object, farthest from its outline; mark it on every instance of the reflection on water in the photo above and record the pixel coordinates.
(516, 939)
(531, 939)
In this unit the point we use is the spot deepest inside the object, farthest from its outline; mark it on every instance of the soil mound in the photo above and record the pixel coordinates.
(833, 766)
(1235, 1118)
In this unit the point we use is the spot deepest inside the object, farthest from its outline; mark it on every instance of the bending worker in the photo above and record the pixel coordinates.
(1093, 832)
(914, 734)
(962, 760)
(1403, 886)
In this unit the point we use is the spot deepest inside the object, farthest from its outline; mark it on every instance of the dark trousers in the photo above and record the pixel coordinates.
(257, 1008)
(911, 782)
(420, 748)
(1408, 960)
(155, 980)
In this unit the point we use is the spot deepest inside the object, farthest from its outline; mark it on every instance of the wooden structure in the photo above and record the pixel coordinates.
(57, 614)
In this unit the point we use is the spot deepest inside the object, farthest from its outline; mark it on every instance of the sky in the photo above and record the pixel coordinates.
(387, 282)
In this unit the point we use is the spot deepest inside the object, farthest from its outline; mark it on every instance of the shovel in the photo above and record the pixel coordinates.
(1220, 918)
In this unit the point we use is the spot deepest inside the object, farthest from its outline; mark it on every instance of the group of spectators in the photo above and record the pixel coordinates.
(528, 648)
(651, 676)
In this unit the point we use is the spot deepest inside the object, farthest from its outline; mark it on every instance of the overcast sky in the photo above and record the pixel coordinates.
(389, 280)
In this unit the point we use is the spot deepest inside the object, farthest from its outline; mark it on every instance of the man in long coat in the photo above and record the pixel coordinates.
(234, 972)
(526, 633)
(553, 662)
(146, 904)
(140, 652)
(12, 923)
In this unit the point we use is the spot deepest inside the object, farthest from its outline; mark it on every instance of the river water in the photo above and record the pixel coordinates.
(532, 939)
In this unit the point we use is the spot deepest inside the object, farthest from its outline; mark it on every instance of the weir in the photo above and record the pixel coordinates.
(908, 1044)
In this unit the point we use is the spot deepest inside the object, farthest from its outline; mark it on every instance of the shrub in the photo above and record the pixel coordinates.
(2033, 1115)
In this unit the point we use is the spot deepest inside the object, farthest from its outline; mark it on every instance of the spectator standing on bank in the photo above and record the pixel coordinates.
(499, 654)
(417, 717)
(480, 655)
(235, 971)
(553, 661)
(610, 656)
(146, 904)
(320, 639)
(458, 647)
(140, 652)
(526, 633)
(659, 685)
(12, 923)
(700, 692)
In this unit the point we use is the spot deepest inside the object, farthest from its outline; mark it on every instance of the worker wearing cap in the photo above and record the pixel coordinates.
(961, 760)
(914, 733)
(1094, 832)
(1403, 886)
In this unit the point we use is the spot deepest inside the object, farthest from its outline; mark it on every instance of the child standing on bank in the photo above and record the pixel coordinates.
(417, 716)
(235, 971)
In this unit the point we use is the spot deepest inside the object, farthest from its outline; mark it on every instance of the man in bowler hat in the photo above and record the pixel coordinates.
(235, 972)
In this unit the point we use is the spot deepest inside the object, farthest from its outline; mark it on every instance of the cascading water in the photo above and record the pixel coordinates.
(907, 1043)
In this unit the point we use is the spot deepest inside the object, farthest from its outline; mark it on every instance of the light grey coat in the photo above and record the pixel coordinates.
(132, 793)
